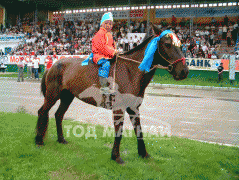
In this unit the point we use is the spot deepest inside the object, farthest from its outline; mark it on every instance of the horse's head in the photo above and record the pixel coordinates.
(169, 54)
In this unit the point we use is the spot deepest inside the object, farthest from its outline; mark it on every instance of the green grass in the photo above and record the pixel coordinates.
(89, 158)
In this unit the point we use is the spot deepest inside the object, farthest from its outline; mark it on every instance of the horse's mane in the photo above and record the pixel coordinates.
(139, 47)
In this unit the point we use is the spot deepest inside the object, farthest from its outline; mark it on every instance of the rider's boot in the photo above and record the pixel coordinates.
(104, 86)
(107, 93)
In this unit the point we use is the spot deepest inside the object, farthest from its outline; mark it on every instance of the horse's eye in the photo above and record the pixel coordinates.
(168, 45)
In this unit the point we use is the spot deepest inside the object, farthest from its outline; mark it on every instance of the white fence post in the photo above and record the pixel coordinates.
(232, 68)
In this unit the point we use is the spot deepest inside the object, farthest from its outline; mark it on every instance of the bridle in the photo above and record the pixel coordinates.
(172, 65)
(169, 68)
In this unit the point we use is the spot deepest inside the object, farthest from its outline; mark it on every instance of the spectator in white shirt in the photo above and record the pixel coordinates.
(131, 43)
(135, 41)
(211, 39)
(204, 48)
(20, 65)
(36, 67)
(237, 56)
(206, 32)
(3, 67)
(120, 49)
(126, 43)
(131, 28)
(121, 40)
(29, 67)
(201, 33)
(197, 33)
(220, 31)
(214, 56)
(179, 36)
(224, 30)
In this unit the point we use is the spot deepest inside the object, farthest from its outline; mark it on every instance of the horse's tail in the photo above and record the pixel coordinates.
(43, 84)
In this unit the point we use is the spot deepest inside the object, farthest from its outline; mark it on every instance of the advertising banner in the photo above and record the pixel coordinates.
(198, 12)
(92, 16)
(57, 17)
(120, 14)
(15, 59)
(75, 16)
(209, 64)
(199, 63)
(136, 13)
(192, 63)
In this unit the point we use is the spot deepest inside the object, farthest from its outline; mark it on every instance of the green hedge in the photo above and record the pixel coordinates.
(194, 74)
(14, 68)
(198, 78)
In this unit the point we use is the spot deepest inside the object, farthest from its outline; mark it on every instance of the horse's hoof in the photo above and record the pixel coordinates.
(63, 141)
(118, 160)
(147, 156)
(102, 105)
(39, 146)
(39, 143)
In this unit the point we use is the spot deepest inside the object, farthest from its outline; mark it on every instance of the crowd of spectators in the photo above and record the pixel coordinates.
(74, 38)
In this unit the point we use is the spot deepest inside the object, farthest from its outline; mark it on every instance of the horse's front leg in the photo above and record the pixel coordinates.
(135, 120)
(118, 124)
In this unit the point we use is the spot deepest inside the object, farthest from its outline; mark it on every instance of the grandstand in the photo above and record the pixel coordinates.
(71, 25)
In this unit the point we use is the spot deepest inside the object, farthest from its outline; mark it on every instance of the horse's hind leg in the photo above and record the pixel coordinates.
(118, 123)
(43, 116)
(66, 99)
(135, 120)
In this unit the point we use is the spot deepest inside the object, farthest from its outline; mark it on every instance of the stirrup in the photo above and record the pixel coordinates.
(105, 90)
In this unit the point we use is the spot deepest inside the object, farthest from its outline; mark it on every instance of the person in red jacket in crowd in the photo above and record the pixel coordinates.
(49, 62)
(103, 49)
(174, 21)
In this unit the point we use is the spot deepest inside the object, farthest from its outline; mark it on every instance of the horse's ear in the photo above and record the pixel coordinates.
(156, 30)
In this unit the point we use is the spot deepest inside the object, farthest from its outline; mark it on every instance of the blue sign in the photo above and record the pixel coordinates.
(198, 12)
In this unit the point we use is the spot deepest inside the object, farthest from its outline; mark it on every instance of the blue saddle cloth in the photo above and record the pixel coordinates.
(104, 65)
(86, 61)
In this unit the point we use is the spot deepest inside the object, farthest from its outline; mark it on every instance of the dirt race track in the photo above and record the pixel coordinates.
(204, 115)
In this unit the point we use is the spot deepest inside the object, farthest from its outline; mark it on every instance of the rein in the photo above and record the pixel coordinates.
(128, 59)
(179, 60)
(155, 66)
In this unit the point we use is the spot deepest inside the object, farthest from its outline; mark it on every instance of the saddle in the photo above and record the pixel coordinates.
(108, 98)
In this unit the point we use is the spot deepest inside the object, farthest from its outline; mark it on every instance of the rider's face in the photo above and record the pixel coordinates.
(107, 25)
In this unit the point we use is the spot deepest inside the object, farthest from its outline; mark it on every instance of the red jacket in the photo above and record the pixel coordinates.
(49, 64)
(103, 45)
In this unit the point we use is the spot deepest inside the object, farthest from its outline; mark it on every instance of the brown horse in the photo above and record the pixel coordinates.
(68, 79)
